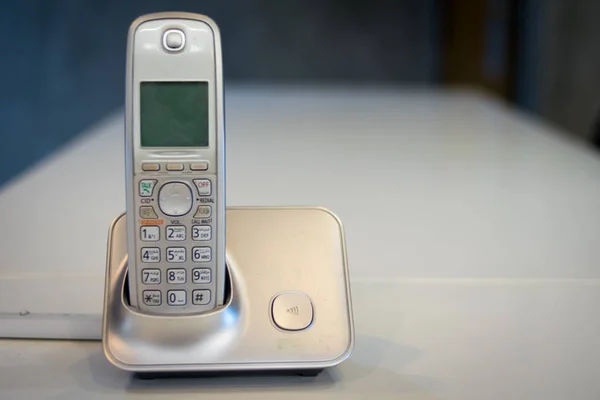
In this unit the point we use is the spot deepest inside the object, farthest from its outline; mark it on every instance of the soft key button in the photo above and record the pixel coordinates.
(201, 166)
(175, 167)
(150, 167)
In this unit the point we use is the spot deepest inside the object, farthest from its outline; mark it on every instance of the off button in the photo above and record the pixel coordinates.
(292, 311)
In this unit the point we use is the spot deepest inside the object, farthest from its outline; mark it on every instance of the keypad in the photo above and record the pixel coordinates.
(201, 232)
(150, 254)
(176, 275)
(176, 219)
(151, 276)
(201, 296)
(176, 297)
(150, 233)
(175, 233)
(152, 297)
(201, 254)
(176, 254)
(201, 275)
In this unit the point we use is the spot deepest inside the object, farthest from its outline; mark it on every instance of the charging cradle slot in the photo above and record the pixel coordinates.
(271, 252)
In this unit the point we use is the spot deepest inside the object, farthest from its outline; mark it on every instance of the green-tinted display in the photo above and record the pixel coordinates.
(174, 114)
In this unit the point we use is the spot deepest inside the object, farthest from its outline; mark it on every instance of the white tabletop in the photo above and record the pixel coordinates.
(471, 233)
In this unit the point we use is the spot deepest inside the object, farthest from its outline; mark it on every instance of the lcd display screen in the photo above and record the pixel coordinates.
(174, 114)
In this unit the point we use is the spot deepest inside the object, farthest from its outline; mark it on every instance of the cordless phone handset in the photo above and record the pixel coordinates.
(175, 164)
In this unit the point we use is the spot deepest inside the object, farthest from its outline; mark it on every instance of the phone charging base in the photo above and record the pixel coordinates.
(288, 305)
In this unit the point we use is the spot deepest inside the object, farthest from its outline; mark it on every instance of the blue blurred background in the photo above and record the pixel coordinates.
(63, 62)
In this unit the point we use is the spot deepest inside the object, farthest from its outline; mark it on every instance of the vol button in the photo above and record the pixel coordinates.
(175, 199)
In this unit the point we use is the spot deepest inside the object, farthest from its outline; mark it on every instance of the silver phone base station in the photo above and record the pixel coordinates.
(288, 305)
